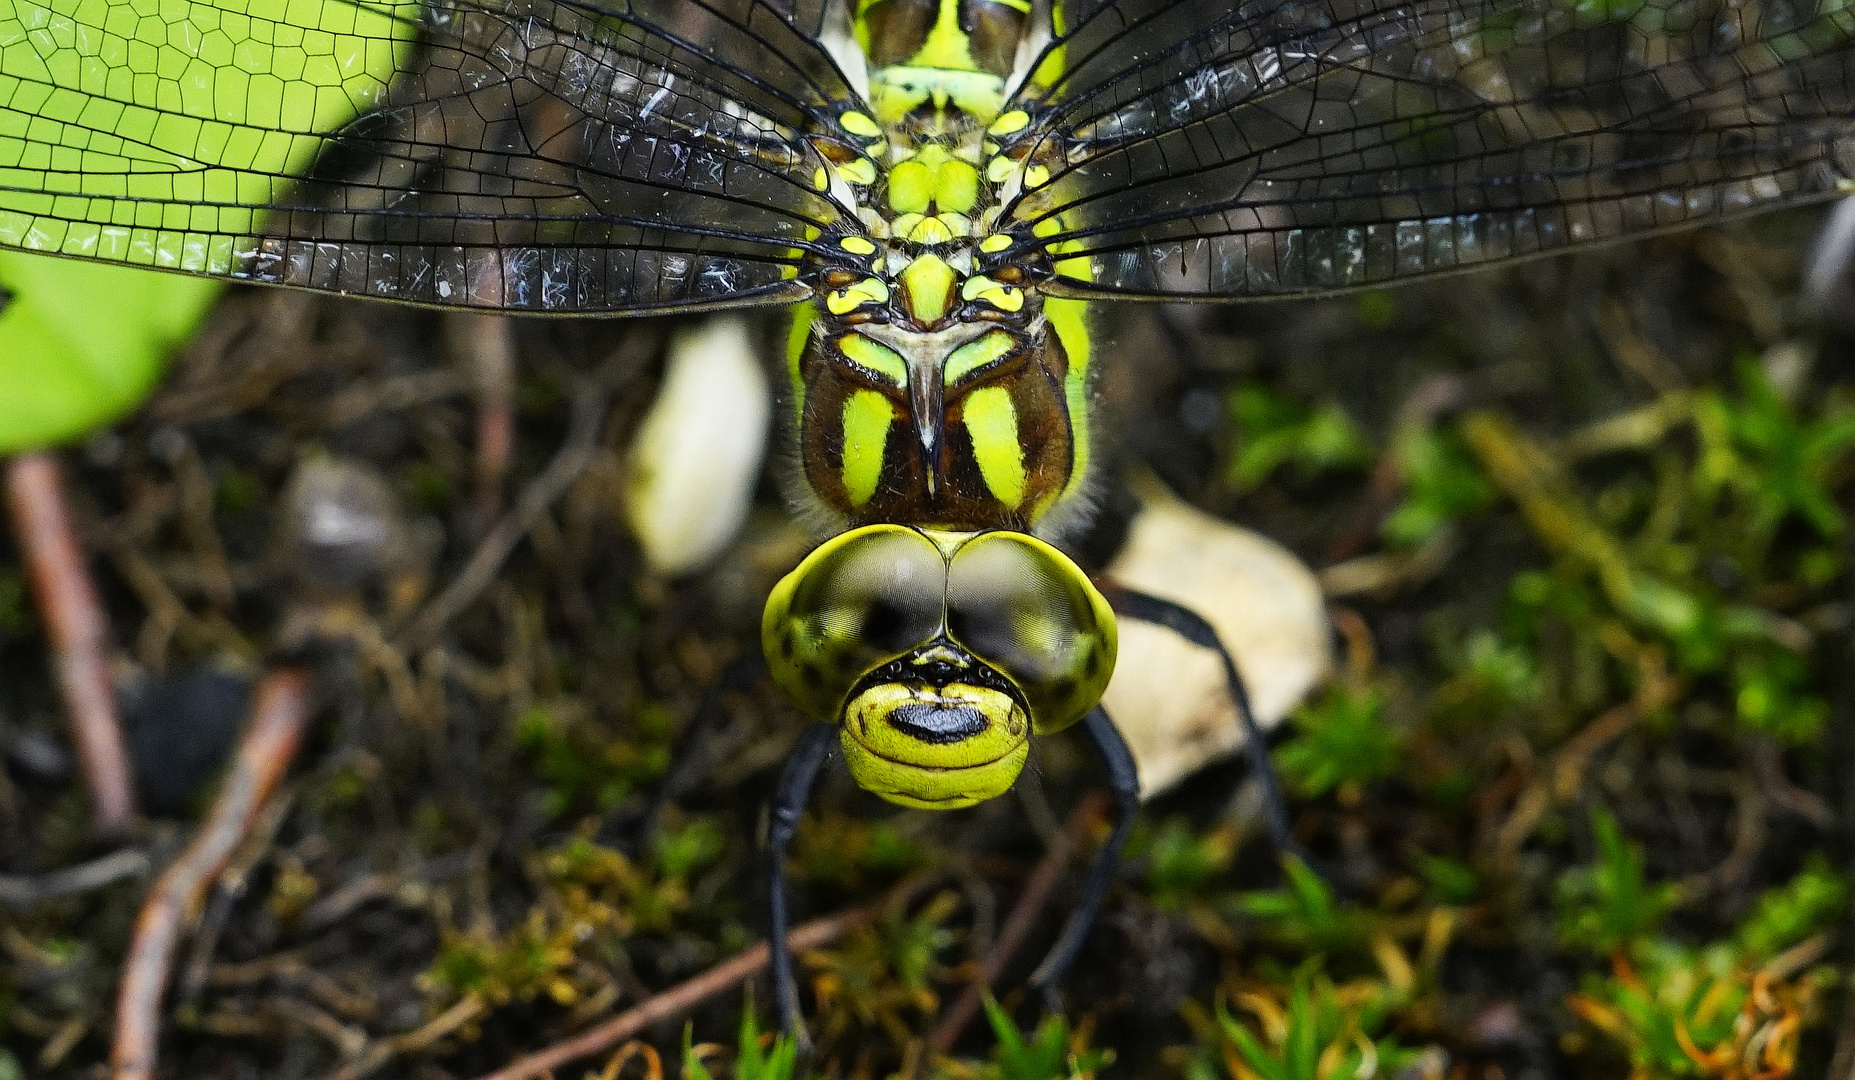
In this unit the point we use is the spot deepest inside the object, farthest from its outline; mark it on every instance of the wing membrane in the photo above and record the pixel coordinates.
(520, 154)
(1273, 148)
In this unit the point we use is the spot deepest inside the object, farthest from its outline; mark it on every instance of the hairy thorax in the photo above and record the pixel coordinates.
(927, 392)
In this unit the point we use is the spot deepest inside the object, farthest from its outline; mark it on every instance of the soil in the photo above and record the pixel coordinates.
(418, 853)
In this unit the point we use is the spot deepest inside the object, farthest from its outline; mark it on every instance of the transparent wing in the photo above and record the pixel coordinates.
(1294, 147)
(519, 154)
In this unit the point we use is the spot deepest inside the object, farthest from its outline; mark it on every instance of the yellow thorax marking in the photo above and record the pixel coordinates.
(992, 423)
(933, 180)
(874, 357)
(1001, 296)
(867, 417)
(848, 299)
(927, 288)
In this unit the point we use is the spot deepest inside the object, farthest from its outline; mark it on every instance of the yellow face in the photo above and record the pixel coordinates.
(938, 654)
(935, 747)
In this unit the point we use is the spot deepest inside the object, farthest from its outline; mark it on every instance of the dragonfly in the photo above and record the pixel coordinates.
(937, 193)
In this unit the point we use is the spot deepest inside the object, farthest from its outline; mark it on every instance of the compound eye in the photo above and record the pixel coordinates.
(1024, 608)
(857, 602)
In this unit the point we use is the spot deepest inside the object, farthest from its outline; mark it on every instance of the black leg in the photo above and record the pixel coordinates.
(795, 786)
(1124, 781)
(1191, 626)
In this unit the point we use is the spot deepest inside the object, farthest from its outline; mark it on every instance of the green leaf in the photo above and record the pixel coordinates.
(83, 343)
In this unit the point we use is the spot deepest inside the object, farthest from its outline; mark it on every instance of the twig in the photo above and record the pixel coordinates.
(680, 998)
(348, 1040)
(1635, 353)
(1434, 396)
(280, 710)
(486, 346)
(19, 891)
(1023, 917)
(398, 393)
(576, 453)
(229, 887)
(467, 1011)
(79, 634)
(1563, 778)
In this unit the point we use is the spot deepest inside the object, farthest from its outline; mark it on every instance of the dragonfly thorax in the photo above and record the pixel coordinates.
(950, 399)
(934, 384)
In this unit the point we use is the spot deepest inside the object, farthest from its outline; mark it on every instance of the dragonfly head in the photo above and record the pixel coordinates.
(938, 654)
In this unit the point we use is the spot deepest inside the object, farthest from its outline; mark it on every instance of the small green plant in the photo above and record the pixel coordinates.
(600, 887)
(1610, 905)
(1771, 460)
(1183, 866)
(853, 852)
(881, 974)
(587, 768)
(752, 1060)
(1491, 676)
(1685, 1012)
(1771, 694)
(1450, 881)
(1785, 916)
(1051, 1052)
(530, 960)
(1277, 431)
(1341, 741)
(1721, 1010)
(1441, 484)
(1320, 1032)
(1304, 913)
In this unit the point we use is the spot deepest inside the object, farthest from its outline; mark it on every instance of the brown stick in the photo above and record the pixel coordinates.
(1024, 916)
(680, 998)
(79, 634)
(19, 892)
(280, 709)
(487, 346)
(1567, 770)
(575, 455)
(468, 1010)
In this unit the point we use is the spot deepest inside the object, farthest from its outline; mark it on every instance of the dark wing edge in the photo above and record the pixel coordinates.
(1298, 148)
(524, 155)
